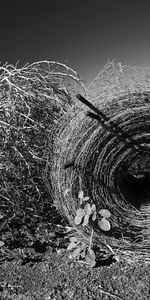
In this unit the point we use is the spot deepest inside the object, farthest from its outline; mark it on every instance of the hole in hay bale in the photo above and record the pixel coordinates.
(135, 190)
(134, 184)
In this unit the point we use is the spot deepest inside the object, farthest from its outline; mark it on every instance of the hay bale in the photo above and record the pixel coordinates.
(112, 168)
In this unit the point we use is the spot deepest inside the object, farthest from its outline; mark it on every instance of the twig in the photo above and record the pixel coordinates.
(6, 199)
(114, 296)
(111, 126)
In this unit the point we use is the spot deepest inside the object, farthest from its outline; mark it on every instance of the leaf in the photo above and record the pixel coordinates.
(105, 213)
(79, 216)
(87, 209)
(90, 257)
(91, 254)
(86, 220)
(80, 212)
(86, 199)
(91, 262)
(81, 194)
(82, 254)
(73, 239)
(66, 192)
(78, 220)
(76, 252)
(94, 216)
(93, 207)
(83, 246)
(104, 224)
(2, 243)
(71, 246)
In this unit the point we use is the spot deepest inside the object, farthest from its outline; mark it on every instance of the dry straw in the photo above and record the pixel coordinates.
(48, 131)
(101, 154)
(33, 99)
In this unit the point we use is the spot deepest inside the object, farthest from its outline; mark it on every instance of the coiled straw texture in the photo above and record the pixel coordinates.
(101, 158)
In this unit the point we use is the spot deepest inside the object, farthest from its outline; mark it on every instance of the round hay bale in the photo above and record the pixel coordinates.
(108, 158)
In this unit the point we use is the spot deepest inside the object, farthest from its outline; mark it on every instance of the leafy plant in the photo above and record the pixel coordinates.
(83, 214)
(80, 250)
(84, 211)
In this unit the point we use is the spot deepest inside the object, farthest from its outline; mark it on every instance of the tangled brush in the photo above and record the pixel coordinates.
(33, 99)
(106, 153)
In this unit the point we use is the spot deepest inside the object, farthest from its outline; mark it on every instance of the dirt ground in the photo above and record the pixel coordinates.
(57, 277)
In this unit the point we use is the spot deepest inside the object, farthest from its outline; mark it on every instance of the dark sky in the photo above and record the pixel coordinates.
(82, 34)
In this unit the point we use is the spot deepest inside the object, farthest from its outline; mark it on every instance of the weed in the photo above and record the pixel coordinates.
(80, 250)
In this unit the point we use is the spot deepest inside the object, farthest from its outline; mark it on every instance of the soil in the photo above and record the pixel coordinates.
(53, 275)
